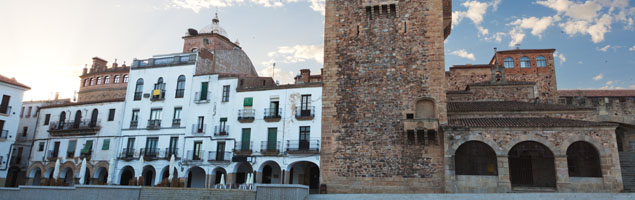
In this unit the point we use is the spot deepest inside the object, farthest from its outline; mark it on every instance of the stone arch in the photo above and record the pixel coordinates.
(241, 170)
(217, 174)
(149, 175)
(532, 164)
(100, 175)
(165, 172)
(35, 167)
(585, 138)
(68, 175)
(477, 137)
(126, 174)
(583, 160)
(305, 173)
(71, 165)
(270, 172)
(49, 173)
(425, 108)
(475, 158)
(531, 138)
(100, 164)
(196, 177)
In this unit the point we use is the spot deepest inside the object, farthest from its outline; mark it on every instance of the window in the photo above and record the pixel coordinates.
(411, 137)
(111, 115)
(509, 62)
(306, 102)
(37, 111)
(525, 62)
(135, 118)
(172, 146)
(47, 119)
(88, 148)
(99, 80)
(85, 82)
(245, 144)
(116, 79)
(138, 90)
(225, 93)
(305, 133)
(541, 61)
(106, 79)
(180, 87)
(421, 137)
(369, 13)
(106, 145)
(125, 78)
(22, 112)
(25, 130)
(432, 137)
(196, 155)
(151, 146)
(41, 147)
(4, 106)
(92, 81)
(204, 90)
(70, 151)
(249, 101)
(583, 160)
(475, 158)
(158, 93)
(201, 124)
(155, 114)
(28, 114)
(176, 119)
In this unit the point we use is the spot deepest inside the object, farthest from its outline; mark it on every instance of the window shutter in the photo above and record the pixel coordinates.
(106, 145)
(249, 101)
(71, 146)
(87, 147)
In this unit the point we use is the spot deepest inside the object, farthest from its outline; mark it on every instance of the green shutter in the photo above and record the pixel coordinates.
(272, 139)
(204, 86)
(106, 145)
(87, 147)
(249, 101)
(246, 139)
(224, 119)
(71, 146)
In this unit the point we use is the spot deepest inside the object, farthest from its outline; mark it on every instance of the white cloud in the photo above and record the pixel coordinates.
(517, 36)
(605, 48)
(495, 4)
(598, 77)
(298, 53)
(632, 48)
(580, 62)
(560, 57)
(284, 77)
(197, 5)
(475, 12)
(498, 37)
(463, 54)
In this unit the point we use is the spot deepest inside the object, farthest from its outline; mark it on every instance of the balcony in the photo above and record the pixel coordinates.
(199, 128)
(127, 154)
(157, 95)
(303, 146)
(273, 115)
(5, 110)
(194, 155)
(150, 153)
(167, 154)
(52, 155)
(420, 124)
(154, 124)
(306, 113)
(74, 128)
(134, 124)
(200, 98)
(270, 148)
(221, 131)
(182, 59)
(176, 123)
(243, 149)
(4, 134)
(246, 115)
(223, 156)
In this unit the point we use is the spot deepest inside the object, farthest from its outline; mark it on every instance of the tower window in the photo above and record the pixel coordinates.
(393, 10)
(376, 11)
(384, 10)
(369, 13)
(509, 62)
(541, 61)
(525, 62)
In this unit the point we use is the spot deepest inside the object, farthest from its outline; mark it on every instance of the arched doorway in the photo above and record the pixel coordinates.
(218, 174)
(127, 173)
(166, 173)
(36, 175)
(583, 160)
(101, 176)
(475, 158)
(87, 177)
(242, 170)
(305, 173)
(532, 164)
(196, 178)
(49, 173)
(67, 176)
(148, 175)
(271, 173)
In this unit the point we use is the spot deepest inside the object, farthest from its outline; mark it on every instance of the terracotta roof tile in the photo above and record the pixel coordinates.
(12, 81)
(522, 122)
(509, 106)
(596, 93)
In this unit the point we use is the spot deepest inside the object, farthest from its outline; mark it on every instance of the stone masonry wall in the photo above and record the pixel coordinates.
(502, 140)
(522, 93)
(375, 71)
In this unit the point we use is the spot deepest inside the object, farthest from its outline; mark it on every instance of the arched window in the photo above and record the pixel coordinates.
(78, 119)
(509, 62)
(116, 80)
(159, 84)
(92, 82)
(194, 50)
(180, 87)
(475, 158)
(99, 80)
(583, 160)
(85, 82)
(541, 61)
(125, 78)
(106, 79)
(138, 90)
(425, 109)
(93, 118)
(525, 62)
(62, 116)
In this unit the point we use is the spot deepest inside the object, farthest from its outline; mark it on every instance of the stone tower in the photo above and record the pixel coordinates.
(384, 96)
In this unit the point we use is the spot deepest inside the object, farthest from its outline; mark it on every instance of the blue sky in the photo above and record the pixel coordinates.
(45, 44)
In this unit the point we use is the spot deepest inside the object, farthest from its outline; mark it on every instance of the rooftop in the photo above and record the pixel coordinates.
(12, 81)
(596, 93)
(523, 122)
(489, 83)
(509, 106)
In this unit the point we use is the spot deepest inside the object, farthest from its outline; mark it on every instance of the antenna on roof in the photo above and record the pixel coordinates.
(518, 46)
(273, 71)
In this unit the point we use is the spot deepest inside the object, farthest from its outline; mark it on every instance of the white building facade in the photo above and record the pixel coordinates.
(11, 93)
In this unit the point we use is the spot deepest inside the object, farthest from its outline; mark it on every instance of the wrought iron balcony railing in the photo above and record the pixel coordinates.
(223, 156)
(246, 115)
(220, 131)
(303, 146)
(305, 113)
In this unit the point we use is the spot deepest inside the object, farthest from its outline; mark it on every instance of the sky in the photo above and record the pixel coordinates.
(45, 44)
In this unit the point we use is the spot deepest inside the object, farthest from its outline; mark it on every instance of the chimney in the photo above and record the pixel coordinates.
(115, 65)
(85, 70)
(57, 96)
(305, 75)
(98, 63)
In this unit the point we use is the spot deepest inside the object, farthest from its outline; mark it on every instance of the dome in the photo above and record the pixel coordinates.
(214, 28)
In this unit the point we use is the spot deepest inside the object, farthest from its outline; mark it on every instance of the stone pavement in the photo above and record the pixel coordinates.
(506, 196)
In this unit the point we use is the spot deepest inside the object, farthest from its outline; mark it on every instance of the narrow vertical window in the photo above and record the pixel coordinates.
(111, 114)
(393, 10)
(107, 80)
(384, 10)
(116, 80)
(369, 13)
(180, 87)
(225, 93)
(525, 62)
(509, 62)
(138, 90)
(541, 61)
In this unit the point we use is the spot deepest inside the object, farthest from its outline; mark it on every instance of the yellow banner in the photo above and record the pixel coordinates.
(156, 92)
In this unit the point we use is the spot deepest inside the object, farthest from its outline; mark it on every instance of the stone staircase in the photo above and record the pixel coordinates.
(627, 162)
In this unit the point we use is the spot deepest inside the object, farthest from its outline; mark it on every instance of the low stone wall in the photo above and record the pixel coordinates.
(476, 184)
(152, 193)
(78, 192)
(281, 192)
(540, 196)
